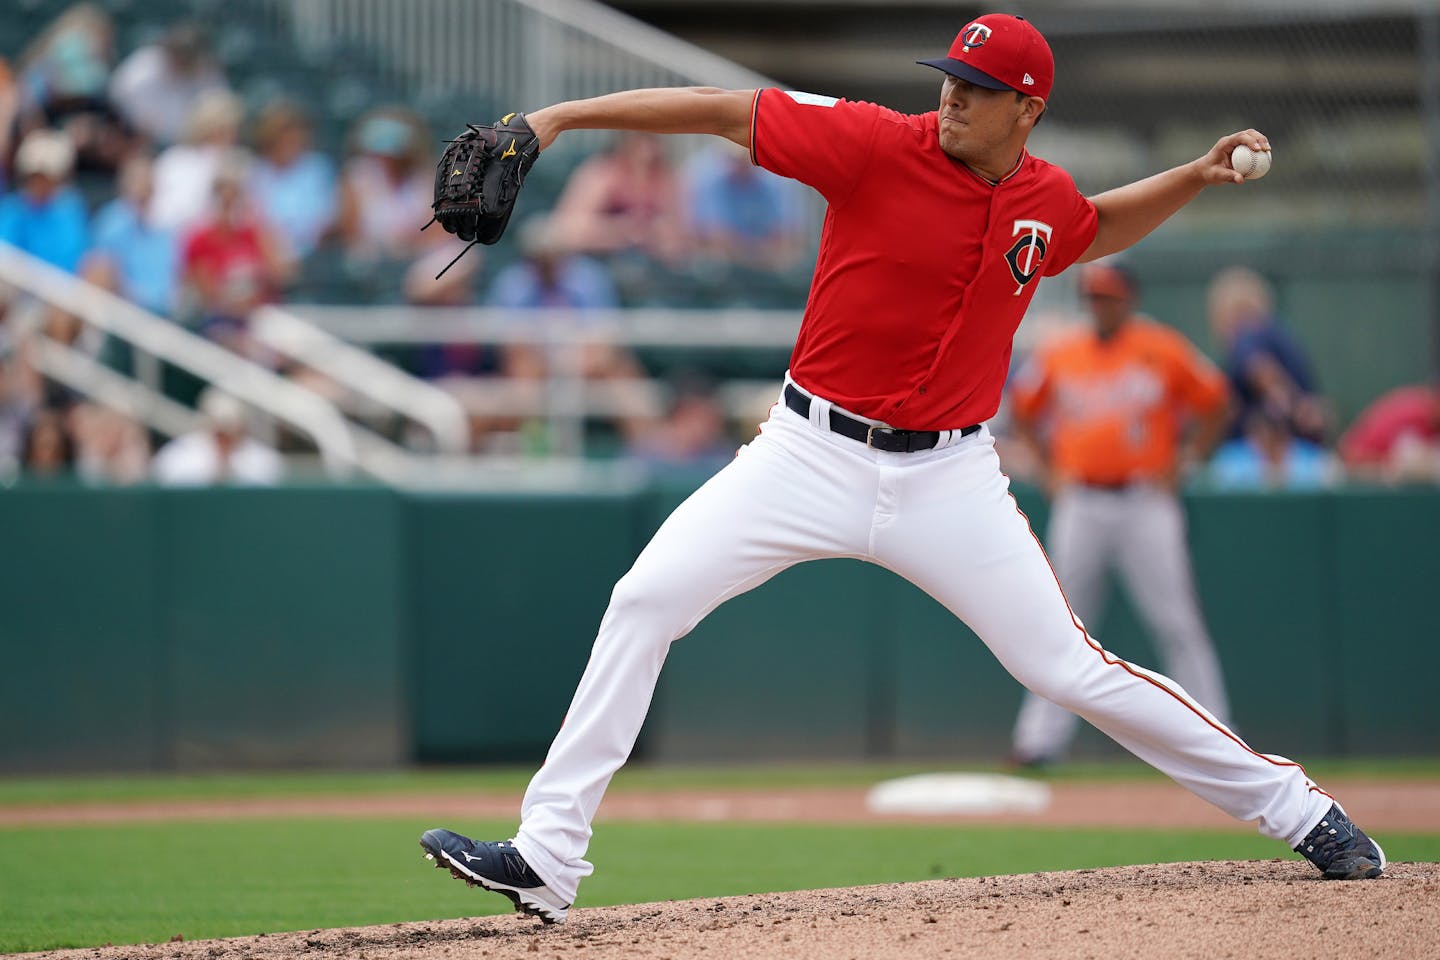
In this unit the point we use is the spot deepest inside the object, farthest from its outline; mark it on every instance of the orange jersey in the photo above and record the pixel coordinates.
(1112, 410)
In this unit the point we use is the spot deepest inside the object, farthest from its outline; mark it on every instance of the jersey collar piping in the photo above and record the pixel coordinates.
(1024, 154)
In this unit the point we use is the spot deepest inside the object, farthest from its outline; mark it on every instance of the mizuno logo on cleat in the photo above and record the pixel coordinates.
(468, 858)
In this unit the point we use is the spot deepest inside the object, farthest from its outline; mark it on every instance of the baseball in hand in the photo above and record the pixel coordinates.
(1250, 164)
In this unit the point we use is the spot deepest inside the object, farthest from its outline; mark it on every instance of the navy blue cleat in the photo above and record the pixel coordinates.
(1341, 850)
(494, 866)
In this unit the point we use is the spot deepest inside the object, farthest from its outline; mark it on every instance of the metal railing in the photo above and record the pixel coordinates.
(361, 372)
(565, 400)
(525, 53)
(153, 339)
(648, 327)
(85, 375)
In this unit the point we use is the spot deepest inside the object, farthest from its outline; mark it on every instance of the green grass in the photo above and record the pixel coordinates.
(84, 885)
(71, 886)
(122, 789)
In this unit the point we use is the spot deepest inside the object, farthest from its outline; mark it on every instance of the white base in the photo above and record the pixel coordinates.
(958, 793)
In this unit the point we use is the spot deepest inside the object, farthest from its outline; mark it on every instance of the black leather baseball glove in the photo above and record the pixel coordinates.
(479, 178)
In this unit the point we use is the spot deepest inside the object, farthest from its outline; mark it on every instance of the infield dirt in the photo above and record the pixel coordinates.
(1271, 909)
(1274, 908)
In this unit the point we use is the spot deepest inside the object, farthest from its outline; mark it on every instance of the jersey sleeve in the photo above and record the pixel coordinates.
(821, 141)
(1077, 236)
(1030, 387)
(1200, 384)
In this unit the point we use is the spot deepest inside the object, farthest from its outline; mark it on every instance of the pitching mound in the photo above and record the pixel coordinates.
(1276, 908)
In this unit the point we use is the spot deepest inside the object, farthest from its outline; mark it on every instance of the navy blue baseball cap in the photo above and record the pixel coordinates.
(1000, 52)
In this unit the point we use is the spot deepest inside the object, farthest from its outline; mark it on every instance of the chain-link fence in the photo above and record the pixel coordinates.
(1346, 224)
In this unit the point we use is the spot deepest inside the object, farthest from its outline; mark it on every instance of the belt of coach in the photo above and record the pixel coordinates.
(889, 439)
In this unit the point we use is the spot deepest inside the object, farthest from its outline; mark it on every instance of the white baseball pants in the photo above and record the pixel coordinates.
(943, 519)
(1140, 532)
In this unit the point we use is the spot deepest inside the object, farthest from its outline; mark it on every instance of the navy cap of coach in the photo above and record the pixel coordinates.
(1000, 52)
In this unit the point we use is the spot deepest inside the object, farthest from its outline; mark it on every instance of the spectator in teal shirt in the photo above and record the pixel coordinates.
(45, 216)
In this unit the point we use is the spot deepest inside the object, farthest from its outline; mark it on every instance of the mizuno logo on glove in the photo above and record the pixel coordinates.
(477, 181)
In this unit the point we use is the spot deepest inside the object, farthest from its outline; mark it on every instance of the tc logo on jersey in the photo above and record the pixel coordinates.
(975, 35)
(1028, 252)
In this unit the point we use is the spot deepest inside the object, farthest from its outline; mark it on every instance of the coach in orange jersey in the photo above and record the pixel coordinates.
(1114, 411)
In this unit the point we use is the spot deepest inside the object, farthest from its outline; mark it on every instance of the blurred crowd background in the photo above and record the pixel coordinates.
(202, 166)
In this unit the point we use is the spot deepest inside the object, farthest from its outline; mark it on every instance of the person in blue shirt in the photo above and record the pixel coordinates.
(293, 186)
(551, 276)
(742, 214)
(1268, 369)
(45, 216)
(132, 256)
(1270, 457)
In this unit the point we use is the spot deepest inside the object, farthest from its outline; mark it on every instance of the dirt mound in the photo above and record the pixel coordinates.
(1275, 908)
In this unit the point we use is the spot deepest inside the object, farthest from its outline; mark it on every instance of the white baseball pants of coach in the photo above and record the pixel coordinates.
(1139, 531)
(943, 519)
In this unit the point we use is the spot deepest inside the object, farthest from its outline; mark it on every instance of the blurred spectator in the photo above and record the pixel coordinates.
(627, 199)
(1114, 411)
(1268, 369)
(9, 119)
(1270, 457)
(45, 216)
(132, 256)
(158, 86)
(385, 190)
(742, 214)
(185, 173)
(230, 263)
(292, 184)
(48, 452)
(551, 276)
(219, 452)
(111, 449)
(14, 399)
(548, 277)
(439, 279)
(1397, 438)
(64, 74)
(693, 439)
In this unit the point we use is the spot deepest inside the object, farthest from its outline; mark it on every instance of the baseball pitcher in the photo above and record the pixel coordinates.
(939, 227)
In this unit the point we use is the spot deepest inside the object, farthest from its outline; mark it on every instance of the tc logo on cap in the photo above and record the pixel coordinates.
(1000, 52)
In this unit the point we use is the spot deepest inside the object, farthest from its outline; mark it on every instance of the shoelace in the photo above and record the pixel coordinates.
(1331, 837)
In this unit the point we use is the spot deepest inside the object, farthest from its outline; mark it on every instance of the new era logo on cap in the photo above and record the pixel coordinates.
(1000, 52)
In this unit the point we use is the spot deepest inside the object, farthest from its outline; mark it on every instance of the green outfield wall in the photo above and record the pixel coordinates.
(149, 629)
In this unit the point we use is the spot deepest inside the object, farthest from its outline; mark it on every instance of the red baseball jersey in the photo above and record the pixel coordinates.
(925, 267)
